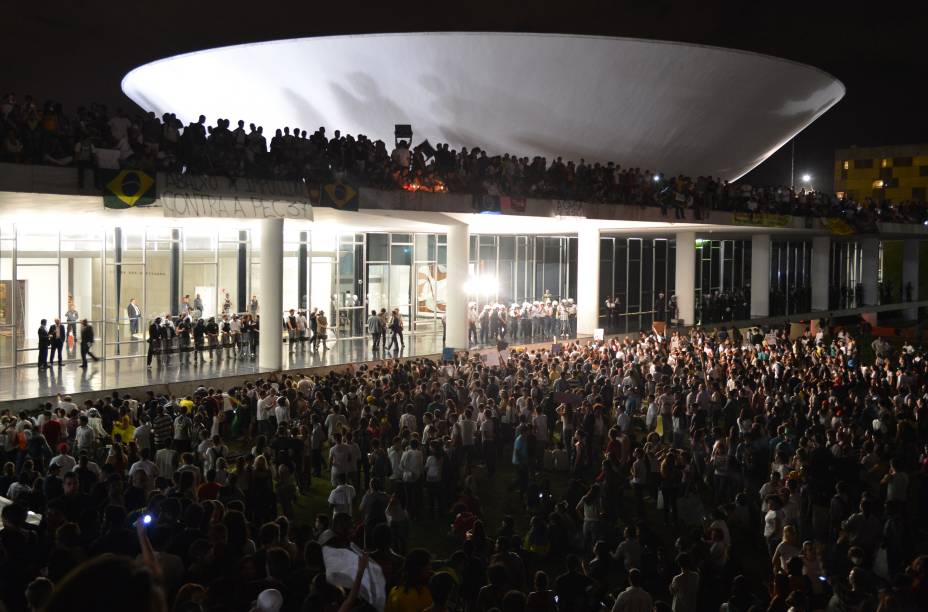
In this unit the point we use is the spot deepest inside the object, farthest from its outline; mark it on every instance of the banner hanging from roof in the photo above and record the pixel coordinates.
(186, 195)
(126, 188)
(838, 227)
(761, 219)
(339, 195)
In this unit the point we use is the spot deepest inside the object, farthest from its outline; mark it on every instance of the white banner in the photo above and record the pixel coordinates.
(202, 205)
(183, 195)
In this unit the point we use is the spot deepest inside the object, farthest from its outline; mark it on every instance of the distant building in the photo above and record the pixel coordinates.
(898, 173)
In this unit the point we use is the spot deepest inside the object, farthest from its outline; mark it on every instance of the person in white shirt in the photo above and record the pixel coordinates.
(66, 404)
(408, 420)
(63, 459)
(340, 458)
(265, 411)
(282, 412)
(412, 465)
(84, 436)
(166, 461)
(146, 465)
(466, 428)
(142, 436)
(341, 498)
(634, 598)
(335, 422)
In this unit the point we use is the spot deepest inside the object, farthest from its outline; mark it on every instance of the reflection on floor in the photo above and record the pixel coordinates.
(28, 381)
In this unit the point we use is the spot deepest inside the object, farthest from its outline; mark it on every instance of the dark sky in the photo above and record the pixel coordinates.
(77, 52)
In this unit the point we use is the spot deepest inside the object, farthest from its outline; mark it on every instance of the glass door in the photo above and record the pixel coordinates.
(8, 332)
(81, 272)
(39, 288)
(348, 298)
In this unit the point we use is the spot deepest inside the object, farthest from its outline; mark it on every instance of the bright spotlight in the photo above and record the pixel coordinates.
(657, 177)
(481, 285)
(806, 178)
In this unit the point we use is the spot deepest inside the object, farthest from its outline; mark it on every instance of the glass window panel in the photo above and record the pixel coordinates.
(401, 255)
(507, 247)
(426, 292)
(401, 238)
(422, 247)
(378, 247)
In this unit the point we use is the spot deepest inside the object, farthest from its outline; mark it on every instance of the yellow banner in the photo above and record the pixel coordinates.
(838, 227)
(762, 219)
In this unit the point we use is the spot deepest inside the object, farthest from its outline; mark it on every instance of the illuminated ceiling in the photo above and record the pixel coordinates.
(676, 108)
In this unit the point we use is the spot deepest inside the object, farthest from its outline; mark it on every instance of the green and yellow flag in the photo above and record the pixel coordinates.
(127, 188)
(342, 196)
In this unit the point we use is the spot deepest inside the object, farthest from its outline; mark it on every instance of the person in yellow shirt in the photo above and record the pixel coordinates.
(413, 594)
(122, 427)
(186, 405)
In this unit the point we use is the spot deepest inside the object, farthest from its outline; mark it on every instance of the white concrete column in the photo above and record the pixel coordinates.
(587, 280)
(910, 257)
(870, 270)
(271, 297)
(760, 275)
(455, 293)
(821, 258)
(685, 281)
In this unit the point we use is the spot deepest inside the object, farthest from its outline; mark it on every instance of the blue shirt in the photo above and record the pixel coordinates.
(520, 451)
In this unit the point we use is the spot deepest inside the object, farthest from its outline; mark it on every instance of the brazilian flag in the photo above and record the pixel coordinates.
(342, 196)
(127, 188)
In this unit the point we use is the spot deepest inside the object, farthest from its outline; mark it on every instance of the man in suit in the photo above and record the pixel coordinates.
(43, 344)
(56, 335)
(86, 342)
(154, 338)
(134, 313)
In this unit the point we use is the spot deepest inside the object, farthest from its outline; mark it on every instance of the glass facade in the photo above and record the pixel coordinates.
(508, 269)
(790, 277)
(845, 273)
(633, 271)
(723, 280)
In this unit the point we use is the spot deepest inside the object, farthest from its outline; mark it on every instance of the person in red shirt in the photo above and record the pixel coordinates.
(210, 488)
(51, 430)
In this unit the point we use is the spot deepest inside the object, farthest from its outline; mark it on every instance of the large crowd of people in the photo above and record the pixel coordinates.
(686, 472)
(36, 133)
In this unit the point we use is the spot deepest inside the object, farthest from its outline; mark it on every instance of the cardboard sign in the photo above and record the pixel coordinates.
(447, 354)
(557, 349)
(341, 566)
(599, 333)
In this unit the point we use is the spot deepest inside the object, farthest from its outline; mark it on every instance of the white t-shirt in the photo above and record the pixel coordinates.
(341, 499)
(67, 462)
(408, 421)
(340, 458)
(432, 469)
(411, 465)
(466, 428)
(770, 523)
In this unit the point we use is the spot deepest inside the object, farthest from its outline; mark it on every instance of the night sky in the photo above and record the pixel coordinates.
(77, 52)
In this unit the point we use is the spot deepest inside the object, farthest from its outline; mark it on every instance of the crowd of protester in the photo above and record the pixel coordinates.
(35, 133)
(689, 472)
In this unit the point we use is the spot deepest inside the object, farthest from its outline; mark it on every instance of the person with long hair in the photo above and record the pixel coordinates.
(412, 594)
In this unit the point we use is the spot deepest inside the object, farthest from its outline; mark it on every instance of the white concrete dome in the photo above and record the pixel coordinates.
(664, 106)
